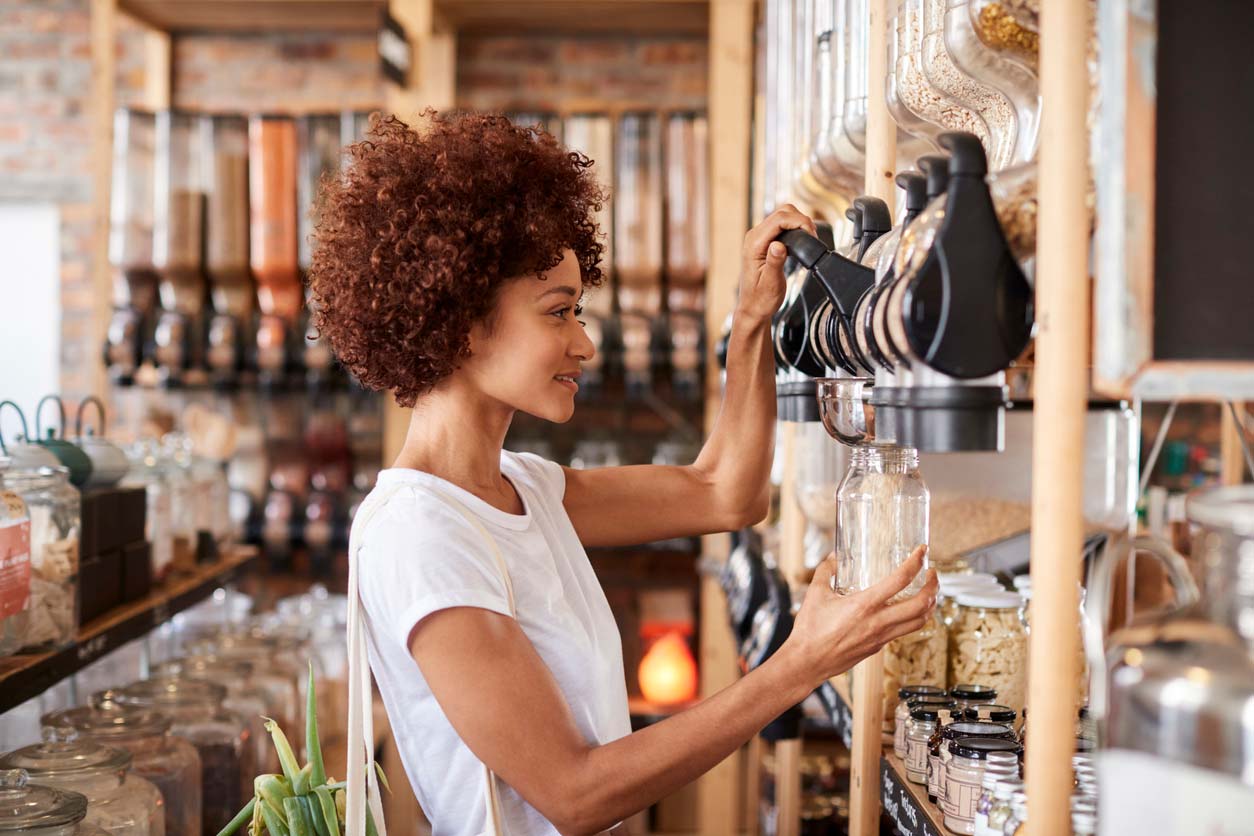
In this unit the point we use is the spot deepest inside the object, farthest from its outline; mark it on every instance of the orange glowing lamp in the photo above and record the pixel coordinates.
(668, 673)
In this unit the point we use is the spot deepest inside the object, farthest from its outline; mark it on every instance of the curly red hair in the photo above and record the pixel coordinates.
(418, 233)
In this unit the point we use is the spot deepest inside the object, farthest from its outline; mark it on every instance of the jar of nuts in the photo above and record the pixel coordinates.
(988, 644)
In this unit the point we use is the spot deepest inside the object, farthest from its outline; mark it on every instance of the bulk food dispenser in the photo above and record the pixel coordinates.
(687, 245)
(638, 241)
(226, 248)
(320, 150)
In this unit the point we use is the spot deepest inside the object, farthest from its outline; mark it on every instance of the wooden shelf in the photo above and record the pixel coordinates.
(29, 675)
(255, 16)
(609, 17)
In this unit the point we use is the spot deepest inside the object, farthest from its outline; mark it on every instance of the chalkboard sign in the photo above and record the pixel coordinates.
(1175, 248)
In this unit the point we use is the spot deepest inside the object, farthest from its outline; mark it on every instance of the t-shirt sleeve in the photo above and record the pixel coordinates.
(419, 557)
(549, 474)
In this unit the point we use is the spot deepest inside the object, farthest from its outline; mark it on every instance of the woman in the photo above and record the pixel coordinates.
(449, 269)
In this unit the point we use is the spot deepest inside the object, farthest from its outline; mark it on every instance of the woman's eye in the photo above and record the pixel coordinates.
(560, 313)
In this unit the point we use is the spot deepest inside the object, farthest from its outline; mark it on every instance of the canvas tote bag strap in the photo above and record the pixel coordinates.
(362, 783)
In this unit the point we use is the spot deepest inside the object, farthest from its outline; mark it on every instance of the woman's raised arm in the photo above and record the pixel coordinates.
(727, 486)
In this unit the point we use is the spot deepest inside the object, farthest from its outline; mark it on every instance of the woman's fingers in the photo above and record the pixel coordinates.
(785, 217)
(916, 606)
(899, 578)
(823, 574)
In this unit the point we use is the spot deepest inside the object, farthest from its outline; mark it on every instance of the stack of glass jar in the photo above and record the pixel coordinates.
(117, 801)
(170, 763)
(221, 738)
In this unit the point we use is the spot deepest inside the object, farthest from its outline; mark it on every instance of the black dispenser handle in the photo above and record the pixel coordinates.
(877, 219)
(914, 183)
(936, 169)
(854, 214)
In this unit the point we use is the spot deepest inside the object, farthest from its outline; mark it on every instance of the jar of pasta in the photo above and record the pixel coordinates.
(964, 778)
(988, 644)
(901, 715)
(919, 658)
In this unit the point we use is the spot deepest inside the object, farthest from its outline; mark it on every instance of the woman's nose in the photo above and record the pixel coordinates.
(584, 348)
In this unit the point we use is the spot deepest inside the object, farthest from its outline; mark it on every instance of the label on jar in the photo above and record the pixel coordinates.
(962, 793)
(14, 556)
(935, 776)
(1144, 793)
(916, 757)
(899, 738)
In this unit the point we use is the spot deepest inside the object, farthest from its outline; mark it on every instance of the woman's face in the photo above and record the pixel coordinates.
(531, 355)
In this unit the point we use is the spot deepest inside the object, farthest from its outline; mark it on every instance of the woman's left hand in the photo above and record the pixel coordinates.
(762, 272)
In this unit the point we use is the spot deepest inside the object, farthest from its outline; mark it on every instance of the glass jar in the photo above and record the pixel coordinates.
(1015, 201)
(949, 585)
(988, 644)
(906, 119)
(938, 749)
(1002, 806)
(117, 801)
(169, 763)
(15, 543)
(988, 102)
(36, 810)
(994, 776)
(220, 736)
(901, 714)
(990, 713)
(924, 720)
(149, 472)
(818, 477)
(964, 778)
(243, 697)
(968, 695)
(274, 673)
(55, 509)
(184, 502)
(131, 209)
(917, 657)
(882, 516)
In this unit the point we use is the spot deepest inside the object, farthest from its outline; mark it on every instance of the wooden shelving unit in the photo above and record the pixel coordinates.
(27, 676)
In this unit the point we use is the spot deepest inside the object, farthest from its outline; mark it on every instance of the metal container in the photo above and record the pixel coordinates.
(1175, 708)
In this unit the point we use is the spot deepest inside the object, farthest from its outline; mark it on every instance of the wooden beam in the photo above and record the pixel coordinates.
(1232, 465)
(104, 25)
(432, 84)
(881, 160)
(1062, 383)
(158, 69)
(730, 118)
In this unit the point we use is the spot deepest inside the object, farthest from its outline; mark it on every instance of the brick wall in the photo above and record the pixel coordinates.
(563, 74)
(45, 75)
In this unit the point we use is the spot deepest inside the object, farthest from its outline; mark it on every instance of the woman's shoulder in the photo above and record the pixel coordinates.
(541, 473)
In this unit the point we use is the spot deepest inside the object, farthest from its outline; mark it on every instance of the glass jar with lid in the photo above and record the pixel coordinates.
(964, 778)
(35, 810)
(968, 694)
(149, 472)
(924, 721)
(990, 713)
(949, 585)
(882, 516)
(938, 748)
(117, 801)
(55, 509)
(988, 644)
(14, 585)
(274, 672)
(243, 696)
(220, 736)
(917, 657)
(995, 776)
(1017, 820)
(901, 714)
(170, 763)
(1001, 808)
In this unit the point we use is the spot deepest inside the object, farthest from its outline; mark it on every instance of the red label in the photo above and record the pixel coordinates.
(14, 566)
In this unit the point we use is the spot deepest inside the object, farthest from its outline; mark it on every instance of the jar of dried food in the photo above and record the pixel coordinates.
(918, 657)
(169, 763)
(1014, 200)
(55, 508)
(34, 810)
(882, 516)
(220, 736)
(938, 749)
(968, 694)
(916, 90)
(901, 714)
(988, 644)
(149, 472)
(15, 580)
(117, 801)
(924, 720)
(279, 677)
(243, 696)
(964, 777)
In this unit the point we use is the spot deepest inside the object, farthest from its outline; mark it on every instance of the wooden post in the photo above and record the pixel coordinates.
(432, 83)
(1062, 315)
(1231, 452)
(104, 24)
(868, 701)
(158, 69)
(730, 118)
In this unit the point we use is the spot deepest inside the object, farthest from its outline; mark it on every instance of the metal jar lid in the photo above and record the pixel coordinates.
(989, 713)
(967, 691)
(25, 806)
(909, 692)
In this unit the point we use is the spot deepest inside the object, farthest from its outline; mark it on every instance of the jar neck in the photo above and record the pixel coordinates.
(891, 459)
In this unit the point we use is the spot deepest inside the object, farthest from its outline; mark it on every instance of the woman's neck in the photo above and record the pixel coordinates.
(458, 436)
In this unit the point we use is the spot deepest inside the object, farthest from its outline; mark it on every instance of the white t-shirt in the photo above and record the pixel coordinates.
(419, 556)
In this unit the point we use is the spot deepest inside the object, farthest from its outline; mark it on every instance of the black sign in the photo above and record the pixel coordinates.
(901, 807)
(396, 54)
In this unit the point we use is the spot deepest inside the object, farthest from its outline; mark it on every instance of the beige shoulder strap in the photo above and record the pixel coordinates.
(362, 782)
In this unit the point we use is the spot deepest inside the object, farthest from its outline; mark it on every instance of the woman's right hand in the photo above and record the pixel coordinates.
(832, 632)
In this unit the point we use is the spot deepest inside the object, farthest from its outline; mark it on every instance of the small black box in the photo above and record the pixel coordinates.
(99, 584)
(136, 571)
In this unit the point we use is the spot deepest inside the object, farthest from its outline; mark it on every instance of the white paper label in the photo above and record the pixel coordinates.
(1143, 793)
